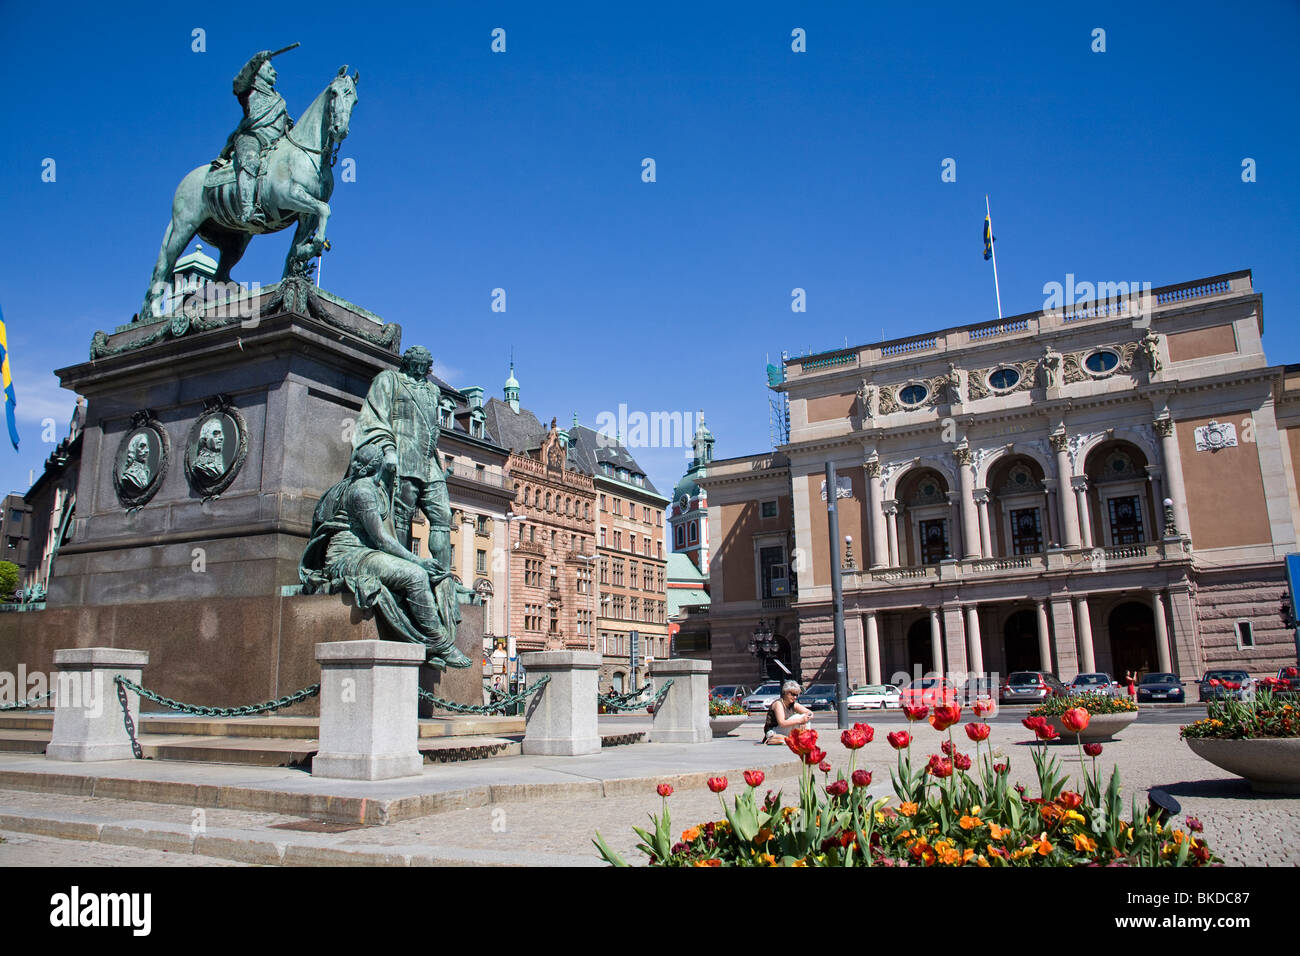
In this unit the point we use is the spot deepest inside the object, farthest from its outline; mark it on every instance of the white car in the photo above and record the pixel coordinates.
(873, 696)
(762, 698)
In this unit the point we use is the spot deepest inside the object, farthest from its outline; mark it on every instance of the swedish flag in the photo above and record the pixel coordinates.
(11, 402)
(988, 239)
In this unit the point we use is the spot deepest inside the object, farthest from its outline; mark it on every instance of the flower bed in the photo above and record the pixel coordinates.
(1093, 703)
(722, 708)
(955, 809)
(1231, 719)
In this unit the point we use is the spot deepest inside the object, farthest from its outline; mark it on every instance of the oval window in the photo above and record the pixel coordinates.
(1004, 378)
(912, 394)
(1099, 363)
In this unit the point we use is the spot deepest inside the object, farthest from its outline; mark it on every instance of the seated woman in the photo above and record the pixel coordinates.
(785, 714)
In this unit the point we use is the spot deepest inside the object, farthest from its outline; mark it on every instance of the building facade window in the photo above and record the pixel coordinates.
(1126, 521)
(1026, 531)
(768, 509)
(934, 540)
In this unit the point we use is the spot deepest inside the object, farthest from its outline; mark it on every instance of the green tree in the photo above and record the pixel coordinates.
(8, 580)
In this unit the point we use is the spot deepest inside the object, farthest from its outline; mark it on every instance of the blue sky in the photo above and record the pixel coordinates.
(775, 170)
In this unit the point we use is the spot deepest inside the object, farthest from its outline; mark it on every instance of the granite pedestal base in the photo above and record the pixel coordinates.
(87, 713)
(561, 717)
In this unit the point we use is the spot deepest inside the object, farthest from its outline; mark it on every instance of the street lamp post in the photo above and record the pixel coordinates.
(762, 644)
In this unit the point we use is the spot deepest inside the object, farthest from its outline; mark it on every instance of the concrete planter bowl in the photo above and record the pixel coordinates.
(1101, 727)
(1269, 764)
(725, 724)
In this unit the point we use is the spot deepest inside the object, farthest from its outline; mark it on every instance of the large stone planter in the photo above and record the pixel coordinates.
(1270, 764)
(726, 723)
(1101, 727)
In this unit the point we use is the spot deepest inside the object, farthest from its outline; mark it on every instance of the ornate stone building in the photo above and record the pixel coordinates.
(1108, 486)
(631, 590)
(688, 524)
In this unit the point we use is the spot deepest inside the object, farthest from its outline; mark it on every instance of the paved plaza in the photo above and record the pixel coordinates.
(534, 811)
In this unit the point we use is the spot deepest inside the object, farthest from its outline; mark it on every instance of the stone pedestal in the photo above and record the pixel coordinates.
(561, 717)
(683, 716)
(87, 715)
(462, 685)
(368, 728)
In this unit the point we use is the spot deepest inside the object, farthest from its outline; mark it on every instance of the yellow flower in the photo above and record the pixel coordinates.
(689, 835)
(1075, 815)
(768, 859)
(980, 861)
(880, 817)
(1085, 844)
(803, 862)
(722, 824)
(970, 823)
(1128, 834)
(788, 811)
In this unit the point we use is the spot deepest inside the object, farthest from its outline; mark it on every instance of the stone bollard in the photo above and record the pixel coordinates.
(561, 717)
(683, 717)
(88, 721)
(368, 703)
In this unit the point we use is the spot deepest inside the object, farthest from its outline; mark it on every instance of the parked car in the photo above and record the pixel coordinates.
(731, 693)
(820, 697)
(1158, 686)
(1031, 687)
(1094, 683)
(928, 692)
(977, 689)
(762, 698)
(1222, 683)
(873, 696)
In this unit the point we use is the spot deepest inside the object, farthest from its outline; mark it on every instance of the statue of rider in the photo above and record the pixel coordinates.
(266, 119)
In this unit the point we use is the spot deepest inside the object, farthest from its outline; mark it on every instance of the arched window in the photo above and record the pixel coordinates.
(548, 501)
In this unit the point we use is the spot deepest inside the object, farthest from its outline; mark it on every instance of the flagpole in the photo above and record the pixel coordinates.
(993, 248)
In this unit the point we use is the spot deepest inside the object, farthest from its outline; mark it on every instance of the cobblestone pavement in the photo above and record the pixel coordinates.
(1242, 827)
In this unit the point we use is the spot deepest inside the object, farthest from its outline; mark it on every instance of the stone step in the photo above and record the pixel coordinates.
(286, 728)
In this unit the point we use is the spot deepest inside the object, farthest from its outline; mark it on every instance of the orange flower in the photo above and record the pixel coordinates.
(707, 863)
(908, 809)
(763, 835)
(949, 857)
(1085, 844)
(690, 835)
(1051, 813)
(1043, 847)
(980, 861)
(997, 832)
(1075, 719)
(970, 823)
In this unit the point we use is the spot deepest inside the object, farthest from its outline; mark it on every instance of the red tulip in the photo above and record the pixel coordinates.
(915, 713)
(855, 739)
(838, 788)
(982, 707)
(978, 732)
(815, 756)
(1092, 750)
(862, 778)
(801, 741)
(1076, 719)
(1070, 800)
(939, 766)
(665, 789)
(1033, 723)
(866, 729)
(945, 716)
(754, 778)
(1001, 767)
(1047, 732)
(961, 761)
(947, 748)
(717, 784)
(824, 766)
(899, 739)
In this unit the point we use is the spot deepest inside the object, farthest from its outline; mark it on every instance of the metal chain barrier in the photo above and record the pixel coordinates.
(503, 704)
(615, 699)
(245, 711)
(29, 702)
(655, 702)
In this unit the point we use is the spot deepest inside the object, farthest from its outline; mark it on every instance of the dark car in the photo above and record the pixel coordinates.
(1031, 687)
(1224, 683)
(820, 697)
(1157, 686)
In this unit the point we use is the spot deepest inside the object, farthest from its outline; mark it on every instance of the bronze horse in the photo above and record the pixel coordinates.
(296, 185)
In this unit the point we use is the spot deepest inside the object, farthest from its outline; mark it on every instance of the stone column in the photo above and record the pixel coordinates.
(954, 654)
(1162, 633)
(855, 647)
(955, 541)
(1044, 638)
(1187, 655)
(873, 649)
(1069, 511)
(561, 717)
(1087, 660)
(879, 536)
(982, 504)
(469, 544)
(975, 654)
(1156, 531)
(891, 518)
(936, 641)
(1053, 521)
(1080, 486)
(369, 705)
(683, 717)
(1174, 489)
(88, 721)
(970, 529)
(1066, 650)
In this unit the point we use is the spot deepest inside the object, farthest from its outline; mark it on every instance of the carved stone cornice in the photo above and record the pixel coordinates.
(1164, 427)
